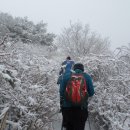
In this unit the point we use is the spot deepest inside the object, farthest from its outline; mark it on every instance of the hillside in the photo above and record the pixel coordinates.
(29, 95)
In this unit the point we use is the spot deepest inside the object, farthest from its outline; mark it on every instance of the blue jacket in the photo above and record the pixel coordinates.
(66, 66)
(63, 84)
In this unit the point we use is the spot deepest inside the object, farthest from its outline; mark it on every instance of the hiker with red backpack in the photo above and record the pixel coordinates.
(75, 89)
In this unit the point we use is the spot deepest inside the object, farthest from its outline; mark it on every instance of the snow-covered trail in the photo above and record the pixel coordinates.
(58, 121)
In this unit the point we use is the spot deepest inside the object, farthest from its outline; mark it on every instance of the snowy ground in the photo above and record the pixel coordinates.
(57, 123)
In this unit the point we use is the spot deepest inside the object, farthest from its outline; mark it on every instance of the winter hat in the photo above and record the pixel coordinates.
(68, 58)
(79, 66)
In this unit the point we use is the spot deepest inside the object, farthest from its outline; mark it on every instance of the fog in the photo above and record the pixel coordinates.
(107, 18)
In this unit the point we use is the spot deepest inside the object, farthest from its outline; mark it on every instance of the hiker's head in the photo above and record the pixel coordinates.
(79, 66)
(68, 58)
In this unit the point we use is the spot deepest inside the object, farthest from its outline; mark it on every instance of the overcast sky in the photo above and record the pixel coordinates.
(110, 18)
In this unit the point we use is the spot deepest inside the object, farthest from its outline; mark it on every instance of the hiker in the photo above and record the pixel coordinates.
(74, 110)
(66, 67)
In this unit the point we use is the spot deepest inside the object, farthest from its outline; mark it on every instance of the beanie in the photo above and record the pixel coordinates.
(68, 58)
(79, 66)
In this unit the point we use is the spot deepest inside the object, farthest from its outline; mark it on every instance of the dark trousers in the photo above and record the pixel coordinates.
(74, 118)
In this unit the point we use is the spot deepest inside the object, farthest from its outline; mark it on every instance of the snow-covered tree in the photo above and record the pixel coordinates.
(111, 74)
(77, 41)
(28, 91)
(21, 29)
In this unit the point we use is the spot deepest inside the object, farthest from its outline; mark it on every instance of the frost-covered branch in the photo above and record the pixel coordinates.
(111, 77)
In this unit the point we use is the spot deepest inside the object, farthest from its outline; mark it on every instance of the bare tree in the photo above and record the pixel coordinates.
(77, 40)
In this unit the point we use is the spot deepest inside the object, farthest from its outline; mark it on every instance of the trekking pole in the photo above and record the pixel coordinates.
(62, 125)
(89, 122)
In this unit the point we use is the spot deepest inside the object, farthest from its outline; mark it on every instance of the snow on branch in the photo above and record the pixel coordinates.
(33, 97)
(111, 75)
(3, 54)
(3, 112)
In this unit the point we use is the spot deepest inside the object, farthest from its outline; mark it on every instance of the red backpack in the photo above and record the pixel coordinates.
(76, 90)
